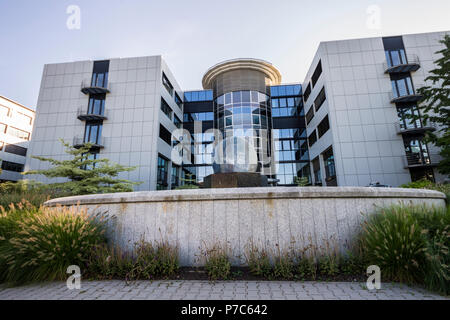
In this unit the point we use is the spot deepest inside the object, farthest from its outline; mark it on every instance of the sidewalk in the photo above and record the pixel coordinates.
(203, 290)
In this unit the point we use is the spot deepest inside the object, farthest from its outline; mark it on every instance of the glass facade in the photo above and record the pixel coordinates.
(163, 168)
(245, 115)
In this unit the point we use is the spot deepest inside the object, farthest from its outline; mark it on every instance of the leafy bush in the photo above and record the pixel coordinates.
(393, 240)
(284, 266)
(436, 227)
(26, 191)
(217, 262)
(148, 261)
(427, 184)
(38, 244)
(306, 268)
(258, 261)
(328, 265)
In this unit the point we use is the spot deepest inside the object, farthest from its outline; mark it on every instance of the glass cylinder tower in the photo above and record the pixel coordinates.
(242, 114)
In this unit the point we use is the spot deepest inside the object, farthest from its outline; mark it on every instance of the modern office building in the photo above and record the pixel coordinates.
(344, 125)
(16, 123)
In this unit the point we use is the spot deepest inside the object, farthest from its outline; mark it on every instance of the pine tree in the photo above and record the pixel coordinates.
(435, 105)
(85, 174)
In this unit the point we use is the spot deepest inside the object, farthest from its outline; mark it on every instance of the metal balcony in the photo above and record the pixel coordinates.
(87, 87)
(79, 142)
(413, 97)
(416, 160)
(419, 128)
(412, 64)
(88, 115)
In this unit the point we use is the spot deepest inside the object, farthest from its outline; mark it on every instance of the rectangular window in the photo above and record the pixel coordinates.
(167, 84)
(175, 179)
(93, 133)
(165, 135)
(4, 111)
(3, 128)
(21, 134)
(316, 73)
(317, 173)
(1, 145)
(312, 138)
(323, 126)
(96, 104)
(330, 168)
(166, 109)
(24, 118)
(404, 114)
(402, 87)
(176, 121)
(100, 74)
(320, 99)
(12, 166)
(11, 148)
(178, 100)
(307, 92)
(310, 115)
(163, 167)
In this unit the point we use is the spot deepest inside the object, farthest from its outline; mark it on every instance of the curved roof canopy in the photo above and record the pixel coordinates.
(265, 67)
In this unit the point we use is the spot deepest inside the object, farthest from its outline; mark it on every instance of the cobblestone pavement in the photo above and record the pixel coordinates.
(204, 290)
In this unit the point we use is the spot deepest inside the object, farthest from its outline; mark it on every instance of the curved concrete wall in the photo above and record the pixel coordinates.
(289, 217)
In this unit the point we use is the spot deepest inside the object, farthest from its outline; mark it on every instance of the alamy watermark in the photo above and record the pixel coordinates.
(373, 21)
(374, 280)
(74, 280)
(73, 21)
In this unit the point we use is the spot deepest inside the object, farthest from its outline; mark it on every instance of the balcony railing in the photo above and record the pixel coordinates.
(90, 115)
(87, 87)
(79, 142)
(414, 160)
(408, 97)
(415, 128)
(412, 64)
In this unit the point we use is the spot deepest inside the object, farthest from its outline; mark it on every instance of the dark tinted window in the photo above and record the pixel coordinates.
(323, 126)
(11, 148)
(316, 73)
(12, 166)
(307, 92)
(320, 99)
(165, 135)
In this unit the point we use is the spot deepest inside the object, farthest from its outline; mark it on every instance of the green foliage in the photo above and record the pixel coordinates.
(436, 227)
(301, 181)
(258, 261)
(306, 268)
(284, 266)
(329, 265)
(148, 261)
(38, 244)
(26, 191)
(190, 183)
(85, 175)
(426, 184)
(353, 264)
(434, 105)
(393, 240)
(217, 262)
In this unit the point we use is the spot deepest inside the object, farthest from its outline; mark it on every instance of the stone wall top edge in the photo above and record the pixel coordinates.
(247, 194)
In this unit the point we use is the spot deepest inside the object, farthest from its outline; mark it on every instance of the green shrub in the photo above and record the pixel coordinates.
(148, 261)
(38, 244)
(283, 266)
(393, 240)
(27, 191)
(217, 262)
(436, 227)
(353, 264)
(328, 265)
(427, 184)
(258, 261)
(306, 268)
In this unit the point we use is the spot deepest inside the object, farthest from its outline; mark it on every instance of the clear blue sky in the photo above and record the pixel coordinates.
(192, 35)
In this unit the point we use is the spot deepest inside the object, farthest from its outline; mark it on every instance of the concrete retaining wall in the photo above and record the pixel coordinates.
(287, 217)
